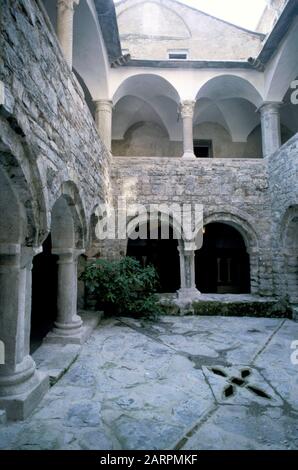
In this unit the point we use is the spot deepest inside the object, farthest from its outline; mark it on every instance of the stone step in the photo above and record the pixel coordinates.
(238, 305)
(54, 358)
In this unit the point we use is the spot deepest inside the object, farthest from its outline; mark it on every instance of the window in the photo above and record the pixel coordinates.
(203, 148)
(179, 54)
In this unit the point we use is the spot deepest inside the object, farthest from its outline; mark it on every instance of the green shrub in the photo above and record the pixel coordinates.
(123, 287)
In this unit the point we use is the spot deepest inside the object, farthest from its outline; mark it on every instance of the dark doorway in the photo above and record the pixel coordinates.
(163, 254)
(44, 294)
(222, 264)
(203, 148)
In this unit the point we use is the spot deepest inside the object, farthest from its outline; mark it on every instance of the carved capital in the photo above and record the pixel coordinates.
(67, 4)
(187, 108)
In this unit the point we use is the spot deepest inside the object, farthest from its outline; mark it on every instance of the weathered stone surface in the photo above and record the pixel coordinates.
(142, 385)
(48, 105)
(246, 428)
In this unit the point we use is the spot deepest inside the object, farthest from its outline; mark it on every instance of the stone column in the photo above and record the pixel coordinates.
(188, 290)
(68, 326)
(271, 132)
(187, 110)
(103, 121)
(65, 12)
(21, 386)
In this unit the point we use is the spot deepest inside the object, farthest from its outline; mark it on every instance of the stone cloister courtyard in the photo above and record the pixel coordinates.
(189, 382)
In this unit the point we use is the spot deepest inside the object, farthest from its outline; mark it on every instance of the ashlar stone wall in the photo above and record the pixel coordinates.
(283, 185)
(232, 191)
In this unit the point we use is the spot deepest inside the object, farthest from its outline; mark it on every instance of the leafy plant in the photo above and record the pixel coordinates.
(123, 286)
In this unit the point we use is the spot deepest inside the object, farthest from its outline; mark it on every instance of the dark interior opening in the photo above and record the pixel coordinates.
(44, 294)
(178, 56)
(222, 264)
(203, 148)
(162, 254)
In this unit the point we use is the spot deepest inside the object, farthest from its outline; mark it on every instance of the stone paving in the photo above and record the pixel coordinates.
(178, 383)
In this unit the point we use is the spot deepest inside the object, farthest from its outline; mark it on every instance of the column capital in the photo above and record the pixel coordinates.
(67, 255)
(103, 105)
(187, 108)
(270, 107)
(68, 4)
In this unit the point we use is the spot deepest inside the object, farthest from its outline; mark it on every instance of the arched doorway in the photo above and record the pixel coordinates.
(222, 264)
(162, 254)
(55, 276)
(44, 294)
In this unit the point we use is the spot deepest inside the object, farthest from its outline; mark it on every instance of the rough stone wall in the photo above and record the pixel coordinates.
(283, 180)
(232, 191)
(45, 111)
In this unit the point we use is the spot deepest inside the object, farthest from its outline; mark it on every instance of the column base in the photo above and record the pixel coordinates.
(189, 156)
(67, 333)
(188, 294)
(20, 406)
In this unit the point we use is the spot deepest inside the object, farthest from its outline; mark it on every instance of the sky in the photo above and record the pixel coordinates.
(245, 13)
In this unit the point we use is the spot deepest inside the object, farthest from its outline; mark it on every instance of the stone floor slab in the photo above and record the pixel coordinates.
(144, 385)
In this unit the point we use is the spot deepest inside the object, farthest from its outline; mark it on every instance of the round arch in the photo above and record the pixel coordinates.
(228, 87)
(68, 218)
(23, 181)
(160, 250)
(222, 265)
(146, 86)
(241, 223)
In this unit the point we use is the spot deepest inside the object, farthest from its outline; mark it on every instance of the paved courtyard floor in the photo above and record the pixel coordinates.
(179, 383)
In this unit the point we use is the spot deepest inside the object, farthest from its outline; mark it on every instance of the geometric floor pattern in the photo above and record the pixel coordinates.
(178, 383)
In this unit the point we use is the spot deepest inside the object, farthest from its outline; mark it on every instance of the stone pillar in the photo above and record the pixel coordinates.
(271, 132)
(188, 290)
(103, 121)
(68, 326)
(21, 386)
(187, 110)
(65, 12)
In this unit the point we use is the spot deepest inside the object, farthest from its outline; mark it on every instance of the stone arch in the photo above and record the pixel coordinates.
(161, 250)
(68, 219)
(241, 223)
(24, 178)
(155, 217)
(244, 225)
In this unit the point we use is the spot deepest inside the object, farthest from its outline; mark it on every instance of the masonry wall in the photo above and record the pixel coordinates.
(149, 28)
(283, 185)
(45, 110)
(232, 191)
